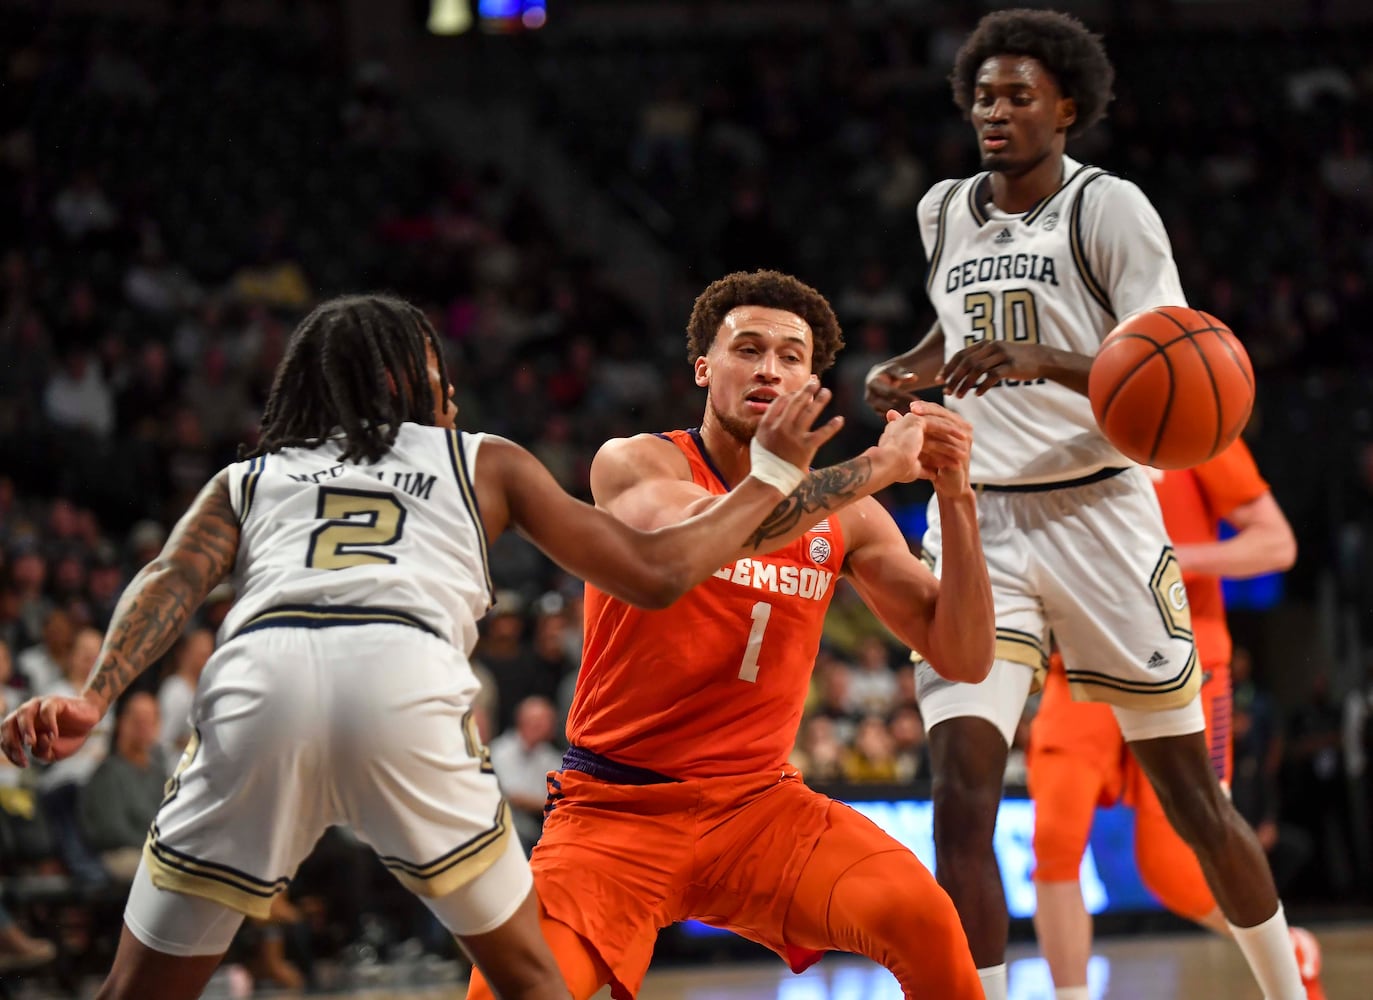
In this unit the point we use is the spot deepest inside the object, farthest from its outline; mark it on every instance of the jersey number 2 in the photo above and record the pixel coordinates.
(358, 520)
(748, 669)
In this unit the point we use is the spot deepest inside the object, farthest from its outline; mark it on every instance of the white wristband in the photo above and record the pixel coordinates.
(778, 473)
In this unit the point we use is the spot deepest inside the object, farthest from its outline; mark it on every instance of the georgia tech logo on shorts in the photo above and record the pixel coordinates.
(1171, 596)
(819, 550)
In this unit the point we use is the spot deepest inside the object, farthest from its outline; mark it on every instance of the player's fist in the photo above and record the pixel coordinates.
(947, 448)
(52, 728)
(900, 444)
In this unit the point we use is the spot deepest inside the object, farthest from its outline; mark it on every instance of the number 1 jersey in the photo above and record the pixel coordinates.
(328, 541)
(1061, 274)
(715, 684)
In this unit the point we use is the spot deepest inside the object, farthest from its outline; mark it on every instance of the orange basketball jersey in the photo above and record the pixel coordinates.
(715, 684)
(1194, 502)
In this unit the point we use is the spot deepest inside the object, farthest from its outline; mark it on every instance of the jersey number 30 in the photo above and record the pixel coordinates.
(1019, 317)
(357, 521)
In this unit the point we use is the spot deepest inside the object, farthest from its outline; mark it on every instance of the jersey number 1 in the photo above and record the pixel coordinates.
(748, 669)
(357, 520)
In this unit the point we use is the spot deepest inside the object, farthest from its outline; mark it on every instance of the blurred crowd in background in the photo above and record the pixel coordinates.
(162, 229)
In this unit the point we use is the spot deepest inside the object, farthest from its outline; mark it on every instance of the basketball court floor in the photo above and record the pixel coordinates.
(1183, 967)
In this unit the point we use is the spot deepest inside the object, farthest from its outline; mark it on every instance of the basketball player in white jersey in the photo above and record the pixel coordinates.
(341, 691)
(1031, 263)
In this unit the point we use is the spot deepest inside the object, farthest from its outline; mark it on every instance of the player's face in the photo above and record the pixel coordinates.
(758, 355)
(445, 411)
(1019, 114)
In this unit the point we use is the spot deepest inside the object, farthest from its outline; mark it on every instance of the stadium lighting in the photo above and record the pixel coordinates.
(449, 17)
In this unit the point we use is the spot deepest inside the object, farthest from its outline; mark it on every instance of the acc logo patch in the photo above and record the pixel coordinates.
(819, 550)
(1171, 596)
(1050, 222)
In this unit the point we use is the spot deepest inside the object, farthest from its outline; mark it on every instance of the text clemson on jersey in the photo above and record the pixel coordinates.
(800, 581)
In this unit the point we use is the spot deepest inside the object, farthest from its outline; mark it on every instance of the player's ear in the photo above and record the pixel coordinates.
(1067, 113)
(702, 367)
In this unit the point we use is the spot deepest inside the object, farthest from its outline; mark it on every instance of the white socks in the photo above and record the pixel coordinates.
(994, 981)
(1268, 950)
(1072, 993)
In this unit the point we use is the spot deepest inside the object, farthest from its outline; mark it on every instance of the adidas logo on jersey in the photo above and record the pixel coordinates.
(1157, 660)
(1003, 237)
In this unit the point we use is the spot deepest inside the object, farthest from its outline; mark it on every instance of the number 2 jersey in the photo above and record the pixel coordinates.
(1061, 274)
(327, 542)
(715, 684)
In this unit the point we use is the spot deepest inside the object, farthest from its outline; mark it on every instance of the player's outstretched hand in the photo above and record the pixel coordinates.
(891, 386)
(786, 428)
(947, 448)
(52, 728)
(902, 440)
(982, 365)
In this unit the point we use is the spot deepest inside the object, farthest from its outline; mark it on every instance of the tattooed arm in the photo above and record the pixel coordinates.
(149, 617)
(646, 482)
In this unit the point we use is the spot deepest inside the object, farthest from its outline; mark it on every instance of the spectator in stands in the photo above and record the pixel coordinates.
(77, 397)
(872, 758)
(908, 738)
(59, 784)
(117, 804)
(44, 665)
(522, 758)
(819, 753)
(872, 687)
(19, 951)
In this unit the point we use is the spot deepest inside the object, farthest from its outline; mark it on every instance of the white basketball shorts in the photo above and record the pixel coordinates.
(1090, 563)
(298, 729)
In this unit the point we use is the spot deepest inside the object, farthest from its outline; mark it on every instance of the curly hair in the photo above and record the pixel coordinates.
(1072, 53)
(357, 364)
(771, 290)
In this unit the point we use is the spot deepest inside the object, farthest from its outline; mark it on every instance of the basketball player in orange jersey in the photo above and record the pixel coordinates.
(1078, 760)
(1032, 262)
(676, 800)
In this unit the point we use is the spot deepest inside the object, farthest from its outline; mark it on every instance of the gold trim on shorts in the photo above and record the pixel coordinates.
(459, 866)
(1176, 691)
(179, 872)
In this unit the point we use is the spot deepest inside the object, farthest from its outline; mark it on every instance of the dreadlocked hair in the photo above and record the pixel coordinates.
(1074, 56)
(356, 364)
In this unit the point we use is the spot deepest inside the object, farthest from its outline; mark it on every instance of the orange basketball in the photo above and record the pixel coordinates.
(1171, 387)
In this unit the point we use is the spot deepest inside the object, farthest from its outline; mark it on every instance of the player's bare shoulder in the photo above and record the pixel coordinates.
(622, 463)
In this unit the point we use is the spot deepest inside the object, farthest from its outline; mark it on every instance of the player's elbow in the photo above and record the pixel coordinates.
(968, 661)
(659, 588)
(1284, 551)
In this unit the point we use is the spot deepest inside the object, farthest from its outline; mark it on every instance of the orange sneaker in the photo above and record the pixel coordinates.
(1308, 952)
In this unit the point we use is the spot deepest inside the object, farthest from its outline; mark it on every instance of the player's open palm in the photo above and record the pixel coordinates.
(787, 429)
(902, 440)
(53, 728)
(947, 448)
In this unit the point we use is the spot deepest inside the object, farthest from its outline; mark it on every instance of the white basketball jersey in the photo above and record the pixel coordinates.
(1062, 274)
(325, 541)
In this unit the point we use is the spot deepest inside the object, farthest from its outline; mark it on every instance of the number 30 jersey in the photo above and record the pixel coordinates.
(1061, 274)
(715, 684)
(326, 541)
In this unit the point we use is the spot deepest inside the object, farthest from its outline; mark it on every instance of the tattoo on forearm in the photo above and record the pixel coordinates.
(155, 606)
(823, 490)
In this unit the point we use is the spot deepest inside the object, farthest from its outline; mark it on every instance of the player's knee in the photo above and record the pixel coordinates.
(894, 899)
(964, 812)
(1058, 853)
